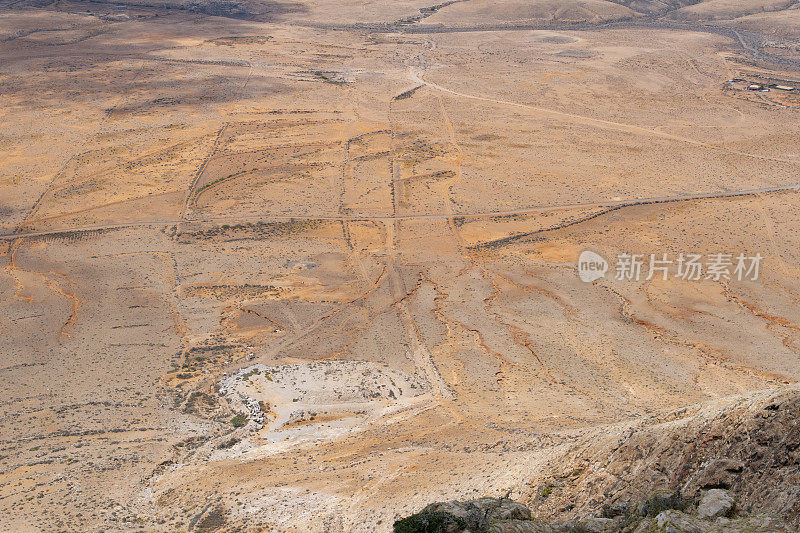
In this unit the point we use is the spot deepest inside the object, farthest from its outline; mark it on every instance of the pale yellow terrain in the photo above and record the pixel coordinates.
(379, 211)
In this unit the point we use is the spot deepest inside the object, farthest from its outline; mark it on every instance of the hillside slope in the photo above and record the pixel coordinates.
(749, 445)
(731, 465)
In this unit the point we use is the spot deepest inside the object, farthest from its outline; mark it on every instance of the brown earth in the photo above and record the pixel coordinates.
(397, 193)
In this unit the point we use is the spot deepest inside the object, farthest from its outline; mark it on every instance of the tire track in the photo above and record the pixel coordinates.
(597, 122)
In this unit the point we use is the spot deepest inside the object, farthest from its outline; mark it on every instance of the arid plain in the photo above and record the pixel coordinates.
(310, 266)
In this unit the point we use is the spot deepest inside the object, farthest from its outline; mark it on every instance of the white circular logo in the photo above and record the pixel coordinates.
(591, 266)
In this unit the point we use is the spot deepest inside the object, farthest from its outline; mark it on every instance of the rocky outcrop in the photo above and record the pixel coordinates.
(748, 446)
(729, 466)
(474, 516)
(714, 514)
(715, 503)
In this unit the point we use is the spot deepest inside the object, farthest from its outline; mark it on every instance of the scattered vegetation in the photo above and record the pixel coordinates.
(230, 443)
(199, 402)
(661, 501)
(221, 179)
(252, 373)
(407, 94)
(428, 522)
(330, 77)
(257, 229)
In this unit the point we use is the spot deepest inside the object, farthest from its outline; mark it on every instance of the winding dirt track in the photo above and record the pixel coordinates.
(619, 204)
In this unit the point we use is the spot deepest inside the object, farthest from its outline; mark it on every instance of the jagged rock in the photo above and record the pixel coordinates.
(496, 515)
(472, 516)
(502, 509)
(750, 443)
(715, 503)
(617, 509)
(661, 512)
(430, 521)
(469, 517)
(674, 521)
(715, 474)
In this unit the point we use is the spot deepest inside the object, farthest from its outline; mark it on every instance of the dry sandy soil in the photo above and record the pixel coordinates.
(296, 266)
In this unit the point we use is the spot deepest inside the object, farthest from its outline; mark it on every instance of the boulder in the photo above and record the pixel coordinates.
(502, 509)
(715, 503)
(469, 515)
(473, 516)
(445, 517)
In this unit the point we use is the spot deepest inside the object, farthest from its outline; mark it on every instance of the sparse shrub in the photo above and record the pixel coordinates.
(252, 373)
(662, 501)
(228, 444)
(428, 522)
(238, 421)
(612, 511)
